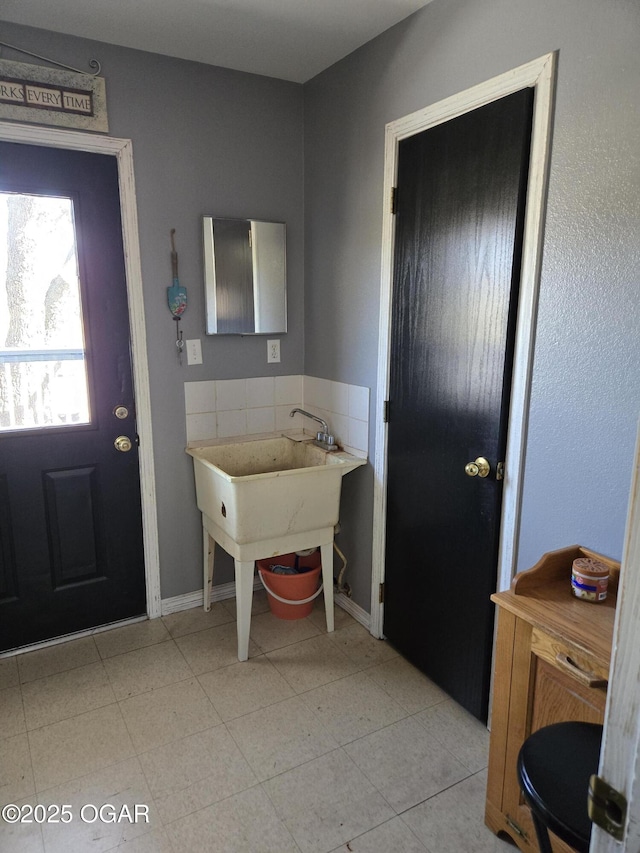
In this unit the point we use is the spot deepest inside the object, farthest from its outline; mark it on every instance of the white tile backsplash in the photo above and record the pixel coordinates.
(317, 393)
(200, 397)
(232, 423)
(261, 420)
(339, 398)
(358, 434)
(261, 392)
(288, 391)
(231, 394)
(232, 407)
(358, 402)
(201, 426)
(284, 421)
(339, 426)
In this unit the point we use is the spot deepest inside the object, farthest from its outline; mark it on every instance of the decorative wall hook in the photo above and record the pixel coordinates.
(176, 297)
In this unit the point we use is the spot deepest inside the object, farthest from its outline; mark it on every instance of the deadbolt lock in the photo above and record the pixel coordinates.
(122, 443)
(479, 468)
(121, 412)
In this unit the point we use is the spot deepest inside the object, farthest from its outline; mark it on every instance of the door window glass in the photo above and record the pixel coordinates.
(43, 376)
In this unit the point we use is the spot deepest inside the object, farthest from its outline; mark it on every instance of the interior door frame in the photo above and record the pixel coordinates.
(122, 150)
(541, 75)
(620, 753)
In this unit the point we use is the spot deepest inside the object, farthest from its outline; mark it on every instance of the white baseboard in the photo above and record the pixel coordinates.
(353, 609)
(220, 592)
(228, 590)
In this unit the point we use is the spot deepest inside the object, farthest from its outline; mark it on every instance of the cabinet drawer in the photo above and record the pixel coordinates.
(571, 660)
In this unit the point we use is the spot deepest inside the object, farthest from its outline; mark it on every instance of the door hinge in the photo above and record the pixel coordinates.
(385, 412)
(394, 200)
(381, 594)
(607, 807)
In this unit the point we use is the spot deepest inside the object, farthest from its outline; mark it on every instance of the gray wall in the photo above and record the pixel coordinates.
(209, 140)
(585, 392)
(205, 140)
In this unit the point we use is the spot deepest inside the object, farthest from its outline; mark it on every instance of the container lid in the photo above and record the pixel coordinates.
(589, 566)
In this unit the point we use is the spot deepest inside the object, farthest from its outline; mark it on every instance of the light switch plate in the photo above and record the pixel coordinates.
(194, 351)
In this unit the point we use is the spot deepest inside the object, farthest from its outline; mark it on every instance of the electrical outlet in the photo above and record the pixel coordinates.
(194, 351)
(273, 351)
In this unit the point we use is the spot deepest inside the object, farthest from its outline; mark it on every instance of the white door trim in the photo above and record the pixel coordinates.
(123, 151)
(539, 74)
(620, 754)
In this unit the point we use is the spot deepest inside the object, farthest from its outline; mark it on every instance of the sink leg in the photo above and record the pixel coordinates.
(208, 549)
(244, 596)
(326, 555)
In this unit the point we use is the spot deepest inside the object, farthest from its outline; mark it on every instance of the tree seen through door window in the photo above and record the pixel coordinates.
(43, 379)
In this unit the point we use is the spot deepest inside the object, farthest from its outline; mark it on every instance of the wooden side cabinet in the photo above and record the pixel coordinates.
(551, 664)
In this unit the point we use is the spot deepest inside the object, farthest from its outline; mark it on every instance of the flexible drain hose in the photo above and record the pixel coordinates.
(345, 590)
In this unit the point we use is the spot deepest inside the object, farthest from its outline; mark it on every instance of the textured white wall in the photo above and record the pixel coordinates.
(586, 390)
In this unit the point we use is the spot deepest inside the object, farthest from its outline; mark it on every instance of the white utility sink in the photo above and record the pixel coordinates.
(259, 491)
(264, 497)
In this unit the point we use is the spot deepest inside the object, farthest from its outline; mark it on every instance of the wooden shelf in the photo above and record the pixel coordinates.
(553, 654)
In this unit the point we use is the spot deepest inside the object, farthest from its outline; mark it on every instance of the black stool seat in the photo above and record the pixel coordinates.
(554, 766)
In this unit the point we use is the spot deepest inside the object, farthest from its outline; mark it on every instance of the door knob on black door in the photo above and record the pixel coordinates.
(479, 468)
(122, 443)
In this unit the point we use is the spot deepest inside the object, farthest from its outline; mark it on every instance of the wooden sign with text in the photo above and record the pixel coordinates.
(43, 95)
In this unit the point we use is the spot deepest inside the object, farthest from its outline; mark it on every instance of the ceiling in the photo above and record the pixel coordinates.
(289, 39)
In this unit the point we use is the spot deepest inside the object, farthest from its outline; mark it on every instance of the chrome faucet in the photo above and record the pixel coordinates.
(323, 439)
(323, 424)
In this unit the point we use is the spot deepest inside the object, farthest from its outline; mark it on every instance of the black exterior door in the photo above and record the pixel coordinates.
(460, 208)
(71, 551)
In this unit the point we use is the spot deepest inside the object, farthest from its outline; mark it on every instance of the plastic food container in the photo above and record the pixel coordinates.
(589, 579)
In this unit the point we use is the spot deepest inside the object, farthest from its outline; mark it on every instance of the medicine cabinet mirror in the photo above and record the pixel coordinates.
(245, 276)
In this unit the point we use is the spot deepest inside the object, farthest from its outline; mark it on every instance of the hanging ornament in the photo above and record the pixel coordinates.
(176, 297)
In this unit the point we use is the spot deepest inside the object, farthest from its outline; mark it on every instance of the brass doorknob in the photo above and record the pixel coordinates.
(479, 468)
(122, 443)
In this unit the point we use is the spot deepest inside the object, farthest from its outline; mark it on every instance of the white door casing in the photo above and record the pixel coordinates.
(122, 150)
(539, 74)
(620, 754)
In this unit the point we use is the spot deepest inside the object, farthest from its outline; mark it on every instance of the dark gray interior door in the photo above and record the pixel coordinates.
(71, 551)
(460, 208)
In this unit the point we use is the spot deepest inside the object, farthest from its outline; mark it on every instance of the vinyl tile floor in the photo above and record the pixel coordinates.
(153, 738)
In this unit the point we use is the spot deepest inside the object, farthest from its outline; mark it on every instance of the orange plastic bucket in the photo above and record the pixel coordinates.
(292, 587)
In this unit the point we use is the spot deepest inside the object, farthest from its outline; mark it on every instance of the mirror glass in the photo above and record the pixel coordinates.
(245, 276)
